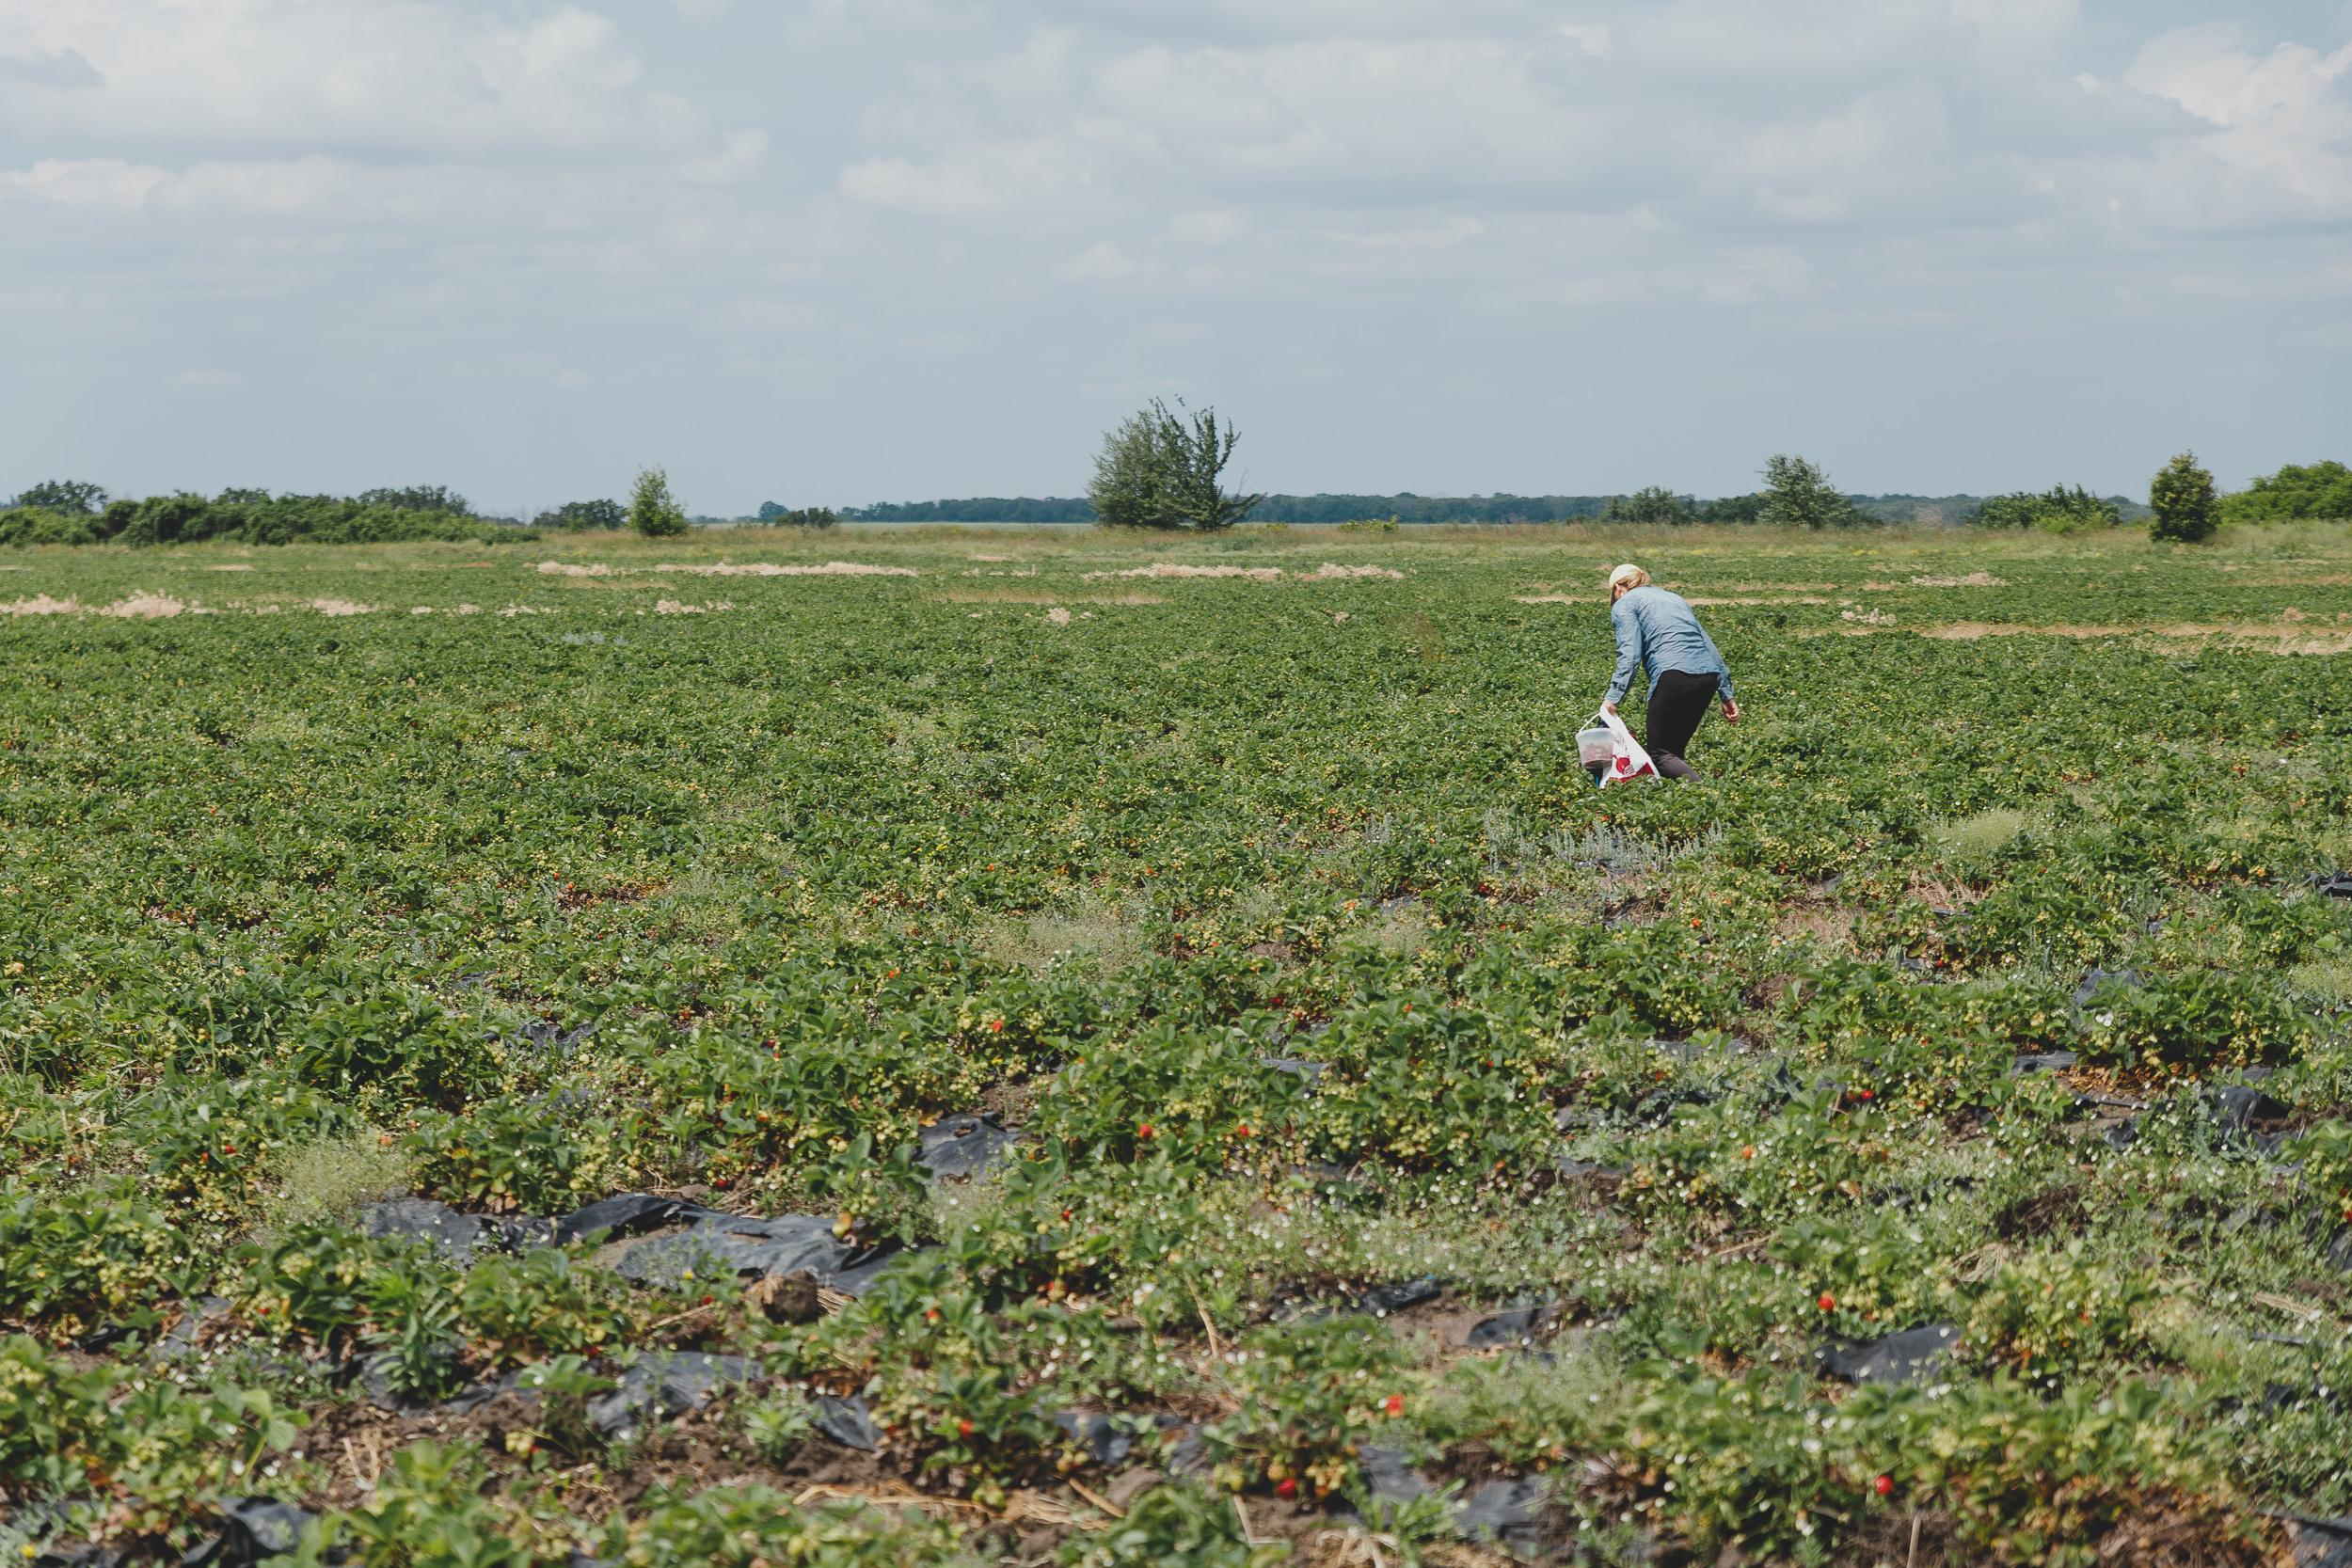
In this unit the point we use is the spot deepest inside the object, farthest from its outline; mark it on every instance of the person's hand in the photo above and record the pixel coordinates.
(1731, 711)
(1609, 708)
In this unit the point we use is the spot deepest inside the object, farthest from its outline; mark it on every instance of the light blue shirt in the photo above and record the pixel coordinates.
(1658, 630)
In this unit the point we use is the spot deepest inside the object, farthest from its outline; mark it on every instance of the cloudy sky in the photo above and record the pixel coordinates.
(848, 250)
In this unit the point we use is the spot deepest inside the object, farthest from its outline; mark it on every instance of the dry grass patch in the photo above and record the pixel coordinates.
(134, 607)
(1108, 933)
(1825, 924)
(1980, 835)
(335, 1179)
(2289, 638)
(724, 569)
(41, 603)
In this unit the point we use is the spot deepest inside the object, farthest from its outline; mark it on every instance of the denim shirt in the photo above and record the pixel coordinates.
(1659, 630)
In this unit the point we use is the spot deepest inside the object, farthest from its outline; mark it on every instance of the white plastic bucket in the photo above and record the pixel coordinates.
(1596, 748)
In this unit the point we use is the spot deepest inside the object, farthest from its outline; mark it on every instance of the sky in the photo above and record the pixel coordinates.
(840, 251)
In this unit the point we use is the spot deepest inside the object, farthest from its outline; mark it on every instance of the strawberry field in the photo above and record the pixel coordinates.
(924, 1048)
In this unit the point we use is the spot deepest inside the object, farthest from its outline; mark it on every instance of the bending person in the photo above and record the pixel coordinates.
(1659, 631)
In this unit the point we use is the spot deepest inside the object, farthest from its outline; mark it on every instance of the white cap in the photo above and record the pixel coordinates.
(1627, 573)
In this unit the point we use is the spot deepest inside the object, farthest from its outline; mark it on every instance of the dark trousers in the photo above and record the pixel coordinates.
(1678, 700)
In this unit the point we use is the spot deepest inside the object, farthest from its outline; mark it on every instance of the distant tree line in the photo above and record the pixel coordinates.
(64, 511)
(2292, 494)
(777, 515)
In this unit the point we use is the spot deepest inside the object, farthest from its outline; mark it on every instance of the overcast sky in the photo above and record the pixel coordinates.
(848, 250)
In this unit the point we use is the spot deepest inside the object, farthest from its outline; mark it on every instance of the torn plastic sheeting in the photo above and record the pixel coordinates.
(1105, 1438)
(846, 1421)
(625, 1215)
(1574, 1169)
(252, 1530)
(473, 1399)
(2100, 981)
(668, 1383)
(455, 1236)
(1658, 1108)
(739, 1245)
(964, 1146)
(1389, 1475)
(180, 1340)
(1307, 1071)
(1382, 1300)
(1896, 1358)
(1507, 1513)
(543, 1036)
(2333, 884)
(2048, 1061)
(1518, 1326)
(2237, 1106)
(421, 1219)
(77, 1554)
(2319, 1542)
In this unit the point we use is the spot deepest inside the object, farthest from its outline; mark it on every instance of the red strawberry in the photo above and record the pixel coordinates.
(1828, 1303)
(1883, 1485)
(1393, 1404)
(964, 1428)
(1287, 1488)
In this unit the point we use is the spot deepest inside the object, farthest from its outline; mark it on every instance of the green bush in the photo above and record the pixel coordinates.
(2183, 503)
(652, 510)
(2061, 509)
(2292, 494)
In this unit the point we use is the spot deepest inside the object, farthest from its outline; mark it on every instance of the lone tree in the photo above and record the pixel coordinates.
(2182, 496)
(1157, 470)
(1798, 495)
(652, 510)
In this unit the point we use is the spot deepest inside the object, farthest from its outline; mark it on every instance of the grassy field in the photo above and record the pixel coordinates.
(1225, 1085)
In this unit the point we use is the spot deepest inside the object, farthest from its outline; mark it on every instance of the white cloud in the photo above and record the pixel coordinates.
(2020, 20)
(740, 153)
(1472, 113)
(102, 184)
(2275, 139)
(440, 193)
(1037, 68)
(1441, 235)
(1103, 261)
(407, 75)
(1217, 225)
(969, 181)
(58, 70)
(1590, 37)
